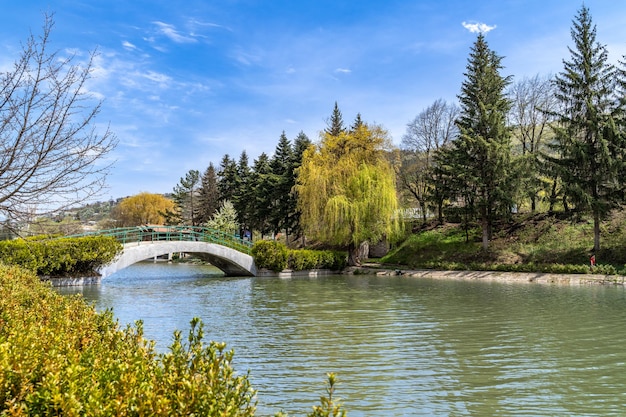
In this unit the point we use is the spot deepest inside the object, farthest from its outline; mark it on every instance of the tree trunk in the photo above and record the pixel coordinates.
(354, 253)
(440, 211)
(485, 227)
(596, 231)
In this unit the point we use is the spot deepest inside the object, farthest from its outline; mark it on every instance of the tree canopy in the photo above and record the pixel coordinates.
(590, 146)
(143, 208)
(346, 189)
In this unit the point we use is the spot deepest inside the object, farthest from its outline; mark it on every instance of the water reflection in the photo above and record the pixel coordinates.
(400, 346)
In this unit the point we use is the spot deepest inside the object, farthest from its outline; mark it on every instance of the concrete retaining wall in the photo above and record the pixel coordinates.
(496, 276)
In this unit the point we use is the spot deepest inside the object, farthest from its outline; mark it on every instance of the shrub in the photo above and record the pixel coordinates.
(276, 257)
(58, 356)
(270, 254)
(61, 256)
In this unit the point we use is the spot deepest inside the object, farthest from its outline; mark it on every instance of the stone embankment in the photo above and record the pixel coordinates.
(496, 276)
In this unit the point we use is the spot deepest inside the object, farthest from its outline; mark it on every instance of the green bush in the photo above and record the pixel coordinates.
(270, 254)
(60, 256)
(58, 356)
(276, 257)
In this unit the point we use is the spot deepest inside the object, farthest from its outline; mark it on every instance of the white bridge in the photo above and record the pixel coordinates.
(225, 251)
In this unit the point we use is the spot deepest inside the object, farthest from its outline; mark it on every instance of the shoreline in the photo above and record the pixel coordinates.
(494, 276)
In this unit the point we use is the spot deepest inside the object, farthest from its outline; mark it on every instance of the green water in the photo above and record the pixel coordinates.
(400, 346)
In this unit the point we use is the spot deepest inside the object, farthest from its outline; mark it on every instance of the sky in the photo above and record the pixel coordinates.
(184, 83)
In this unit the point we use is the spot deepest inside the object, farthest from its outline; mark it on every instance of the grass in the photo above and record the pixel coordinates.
(538, 242)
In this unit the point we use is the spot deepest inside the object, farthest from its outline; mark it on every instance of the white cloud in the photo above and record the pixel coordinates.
(174, 35)
(478, 27)
(343, 70)
(128, 45)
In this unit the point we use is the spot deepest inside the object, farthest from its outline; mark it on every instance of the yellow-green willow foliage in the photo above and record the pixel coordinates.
(346, 188)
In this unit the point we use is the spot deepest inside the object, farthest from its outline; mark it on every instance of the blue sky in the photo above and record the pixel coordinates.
(185, 82)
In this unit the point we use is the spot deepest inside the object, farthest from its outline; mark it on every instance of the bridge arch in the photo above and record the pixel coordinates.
(231, 261)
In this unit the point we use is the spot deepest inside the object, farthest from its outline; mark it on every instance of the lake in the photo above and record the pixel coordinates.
(400, 346)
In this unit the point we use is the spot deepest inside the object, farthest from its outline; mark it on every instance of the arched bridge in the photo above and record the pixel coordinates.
(227, 252)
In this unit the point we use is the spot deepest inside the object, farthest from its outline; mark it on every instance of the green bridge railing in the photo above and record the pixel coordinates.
(139, 234)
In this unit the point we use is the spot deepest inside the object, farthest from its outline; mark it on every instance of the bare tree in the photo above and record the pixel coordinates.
(49, 145)
(533, 104)
(431, 129)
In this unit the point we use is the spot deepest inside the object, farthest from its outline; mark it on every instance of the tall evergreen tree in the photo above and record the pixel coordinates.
(483, 148)
(590, 146)
(185, 197)
(243, 198)
(335, 124)
(358, 123)
(282, 179)
(262, 210)
(208, 197)
(227, 175)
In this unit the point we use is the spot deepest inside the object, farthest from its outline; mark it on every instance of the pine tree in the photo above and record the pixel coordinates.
(243, 198)
(208, 197)
(227, 175)
(185, 197)
(263, 189)
(335, 125)
(483, 153)
(282, 179)
(589, 145)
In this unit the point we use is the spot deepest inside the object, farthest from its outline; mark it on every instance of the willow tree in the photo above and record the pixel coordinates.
(346, 189)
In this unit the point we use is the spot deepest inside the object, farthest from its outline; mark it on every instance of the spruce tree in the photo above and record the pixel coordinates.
(185, 198)
(243, 199)
(589, 146)
(282, 179)
(261, 182)
(483, 154)
(208, 198)
(227, 175)
(335, 124)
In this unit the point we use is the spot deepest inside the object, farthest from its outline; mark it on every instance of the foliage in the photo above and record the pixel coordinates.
(270, 254)
(60, 257)
(58, 356)
(186, 202)
(526, 243)
(225, 219)
(208, 195)
(431, 129)
(275, 256)
(330, 407)
(141, 209)
(51, 151)
(590, 144)
(346, 189)
(480, 159)
(532, 112)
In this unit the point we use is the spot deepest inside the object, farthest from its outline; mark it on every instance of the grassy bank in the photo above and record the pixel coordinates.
(525, 243)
